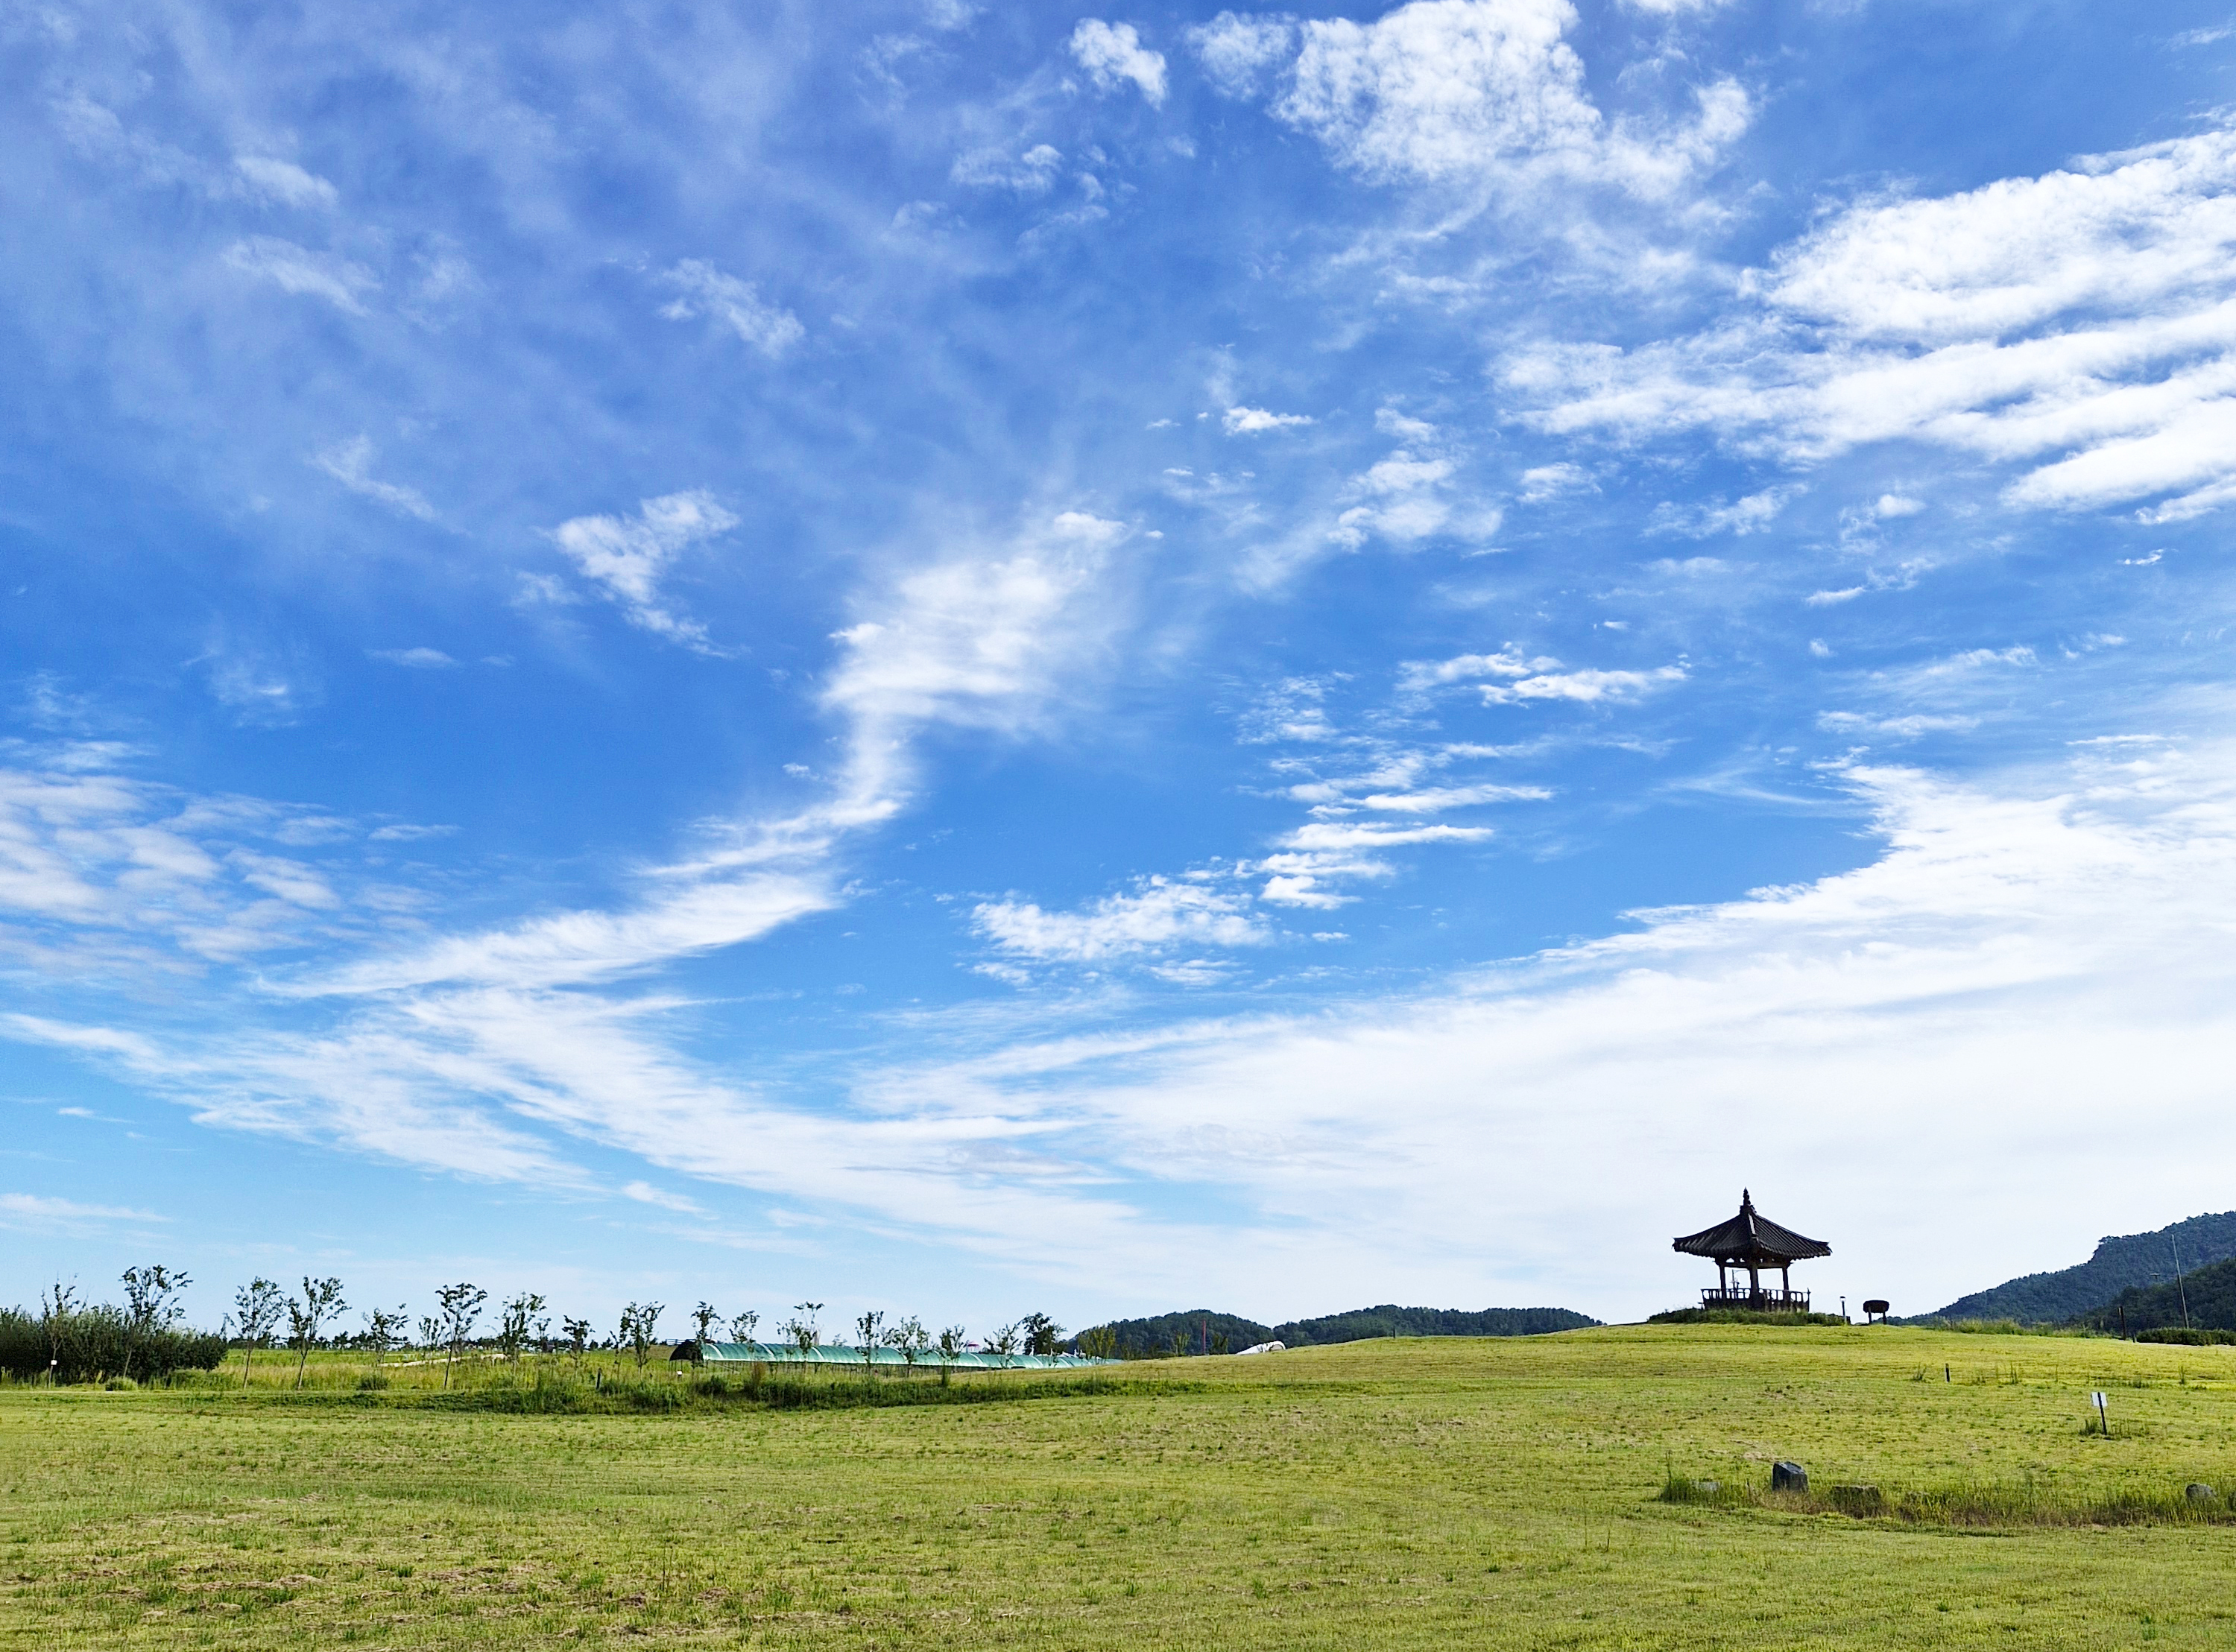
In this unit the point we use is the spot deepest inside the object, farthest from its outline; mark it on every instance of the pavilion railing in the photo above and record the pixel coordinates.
(1759, 1302)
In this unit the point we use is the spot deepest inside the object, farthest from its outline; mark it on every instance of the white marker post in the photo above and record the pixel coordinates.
(2104, 1422)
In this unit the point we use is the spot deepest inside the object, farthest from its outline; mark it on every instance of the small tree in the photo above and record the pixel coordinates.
(256, 1309)
(1004, 1342)
(804, 1334)
(1100, 1343)
(868, 1325)
(744, 1326)
(148, 1305)
(703, 1318)
(57, 1308)
(321, 1297)
(951, 1350)
(578, 1338)
(461, 1306)
(909, 1339)
(383, 1330)
(512, 1325)
(638, 1319)
(431, 1331)
(1039, 1333)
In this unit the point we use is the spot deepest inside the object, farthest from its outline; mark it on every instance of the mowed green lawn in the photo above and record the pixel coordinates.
(1447, 1494)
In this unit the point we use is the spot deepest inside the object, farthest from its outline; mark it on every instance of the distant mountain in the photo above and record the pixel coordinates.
(2127, 1262)
(1202, 1331)
(2208, 1295)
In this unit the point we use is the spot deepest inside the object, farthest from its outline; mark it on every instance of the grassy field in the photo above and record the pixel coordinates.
(1449, 1493)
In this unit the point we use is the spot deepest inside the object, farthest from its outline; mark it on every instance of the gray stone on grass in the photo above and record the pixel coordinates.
(1788, 1477)
(2196, 1491)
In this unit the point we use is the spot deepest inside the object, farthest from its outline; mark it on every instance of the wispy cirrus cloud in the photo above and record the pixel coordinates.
(350, 465)
(342, 282)
(1452, 1110)
(703, 291)
(2079, 327)
(33, 1211)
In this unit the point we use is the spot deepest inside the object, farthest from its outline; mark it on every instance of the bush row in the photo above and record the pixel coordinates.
(90, 1344)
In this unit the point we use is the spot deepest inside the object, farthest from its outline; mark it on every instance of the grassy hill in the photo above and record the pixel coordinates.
(1203, 1331)
(1509, 1494)
(2128, 1262)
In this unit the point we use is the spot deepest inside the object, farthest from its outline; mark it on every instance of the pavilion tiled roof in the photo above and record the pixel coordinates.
(1748, 1237)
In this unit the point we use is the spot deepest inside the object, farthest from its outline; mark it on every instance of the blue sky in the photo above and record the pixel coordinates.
(960, 658)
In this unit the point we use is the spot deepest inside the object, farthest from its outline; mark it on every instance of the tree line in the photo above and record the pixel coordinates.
(68, 1341)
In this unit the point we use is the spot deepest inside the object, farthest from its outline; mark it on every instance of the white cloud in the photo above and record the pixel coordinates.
(284, 182)
(340, 281)
(1430, 800)
(100, 872)
(645, 1193)
(1898, 728)
(1541, 482)
(1030, 174)
(1315, 856)
(259, 692)
(1517, 679)
(408, 834)
(1113, 55)
(2010, 958)
(1748, 515)
(1403, 499)
(1892, 506)
(1463, 89)
(414, 658)
(972, 642)
(350, 465)
(1588, 687)
(2079, 326)
(33, 1211)
(628, 555)
(1248, 421)
(1237, 52)
(702, 290)
(1417, 676)
(1157, 917)
(1390, 422)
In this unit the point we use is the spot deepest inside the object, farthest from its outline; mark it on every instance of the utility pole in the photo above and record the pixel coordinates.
(2181, 1290)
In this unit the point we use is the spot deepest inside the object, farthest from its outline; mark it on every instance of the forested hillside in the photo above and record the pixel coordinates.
(2128, 1262)
(2206, 1300)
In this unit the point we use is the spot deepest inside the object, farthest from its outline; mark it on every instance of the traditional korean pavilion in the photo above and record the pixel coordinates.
(1754, 1243)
